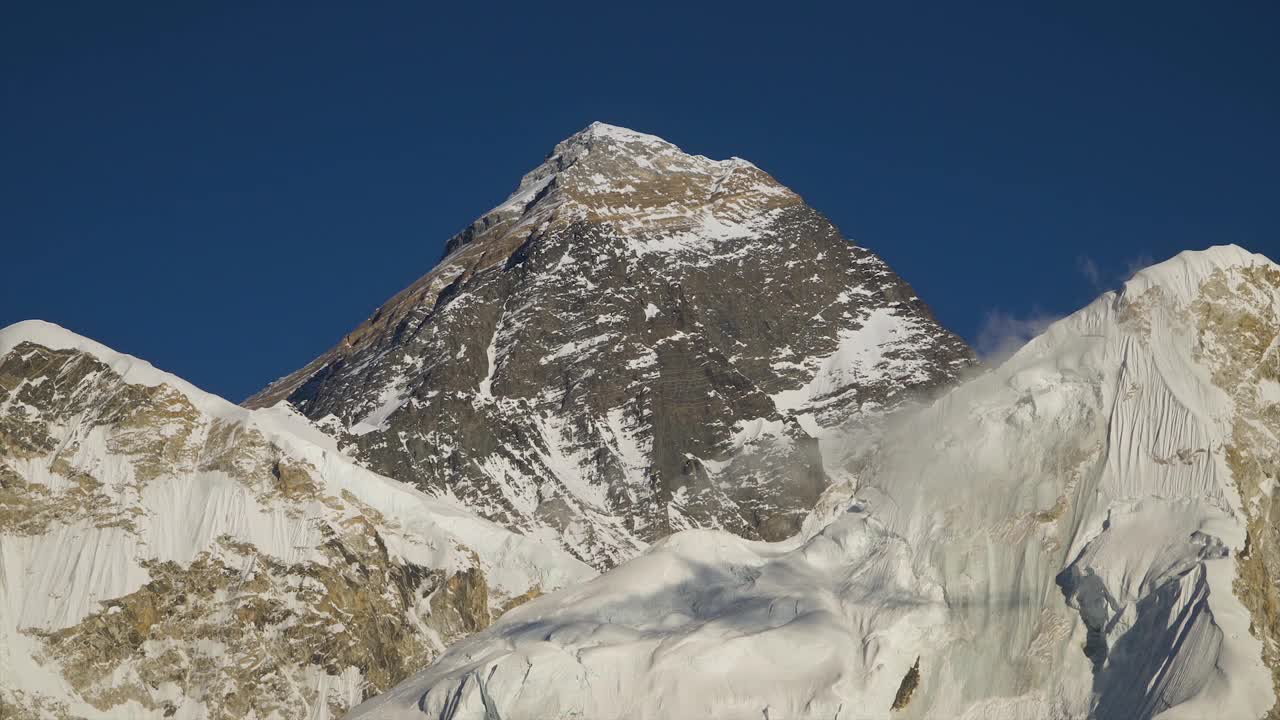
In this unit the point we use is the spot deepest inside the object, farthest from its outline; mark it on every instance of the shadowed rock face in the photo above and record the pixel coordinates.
(638, 341)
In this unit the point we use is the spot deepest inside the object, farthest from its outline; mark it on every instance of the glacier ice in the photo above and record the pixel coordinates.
(1056, 538)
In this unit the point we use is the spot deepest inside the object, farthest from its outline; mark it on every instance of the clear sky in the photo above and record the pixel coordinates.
(227, 188)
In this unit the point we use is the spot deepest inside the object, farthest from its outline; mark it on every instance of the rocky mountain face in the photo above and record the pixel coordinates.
(637, 341)
(1086, 531)
(167, 554)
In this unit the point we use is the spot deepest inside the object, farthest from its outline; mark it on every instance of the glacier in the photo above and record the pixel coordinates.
(1080, 532)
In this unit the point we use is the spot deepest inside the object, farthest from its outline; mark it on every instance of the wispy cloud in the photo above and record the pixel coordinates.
(1138, 263)
(1089, 269)
(1002, 333)
(1100, 280)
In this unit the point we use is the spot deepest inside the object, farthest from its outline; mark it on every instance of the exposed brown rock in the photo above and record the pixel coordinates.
(910, 682)
(239, 630)
(1239, 327)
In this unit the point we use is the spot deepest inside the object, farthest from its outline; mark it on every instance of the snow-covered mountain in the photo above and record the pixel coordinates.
(167, 554)
(1085, 531)
(637, 341)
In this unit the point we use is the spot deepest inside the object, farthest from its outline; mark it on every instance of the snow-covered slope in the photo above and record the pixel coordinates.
(1082, 532)
(165, 553)
(637, 341)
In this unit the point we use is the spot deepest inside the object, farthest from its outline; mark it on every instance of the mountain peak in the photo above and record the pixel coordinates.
(620, 142)
(604, 138)
(640, 184)
(1184, 273)
(550, 368)
(598, 131)
(131, 369)
(56, 337)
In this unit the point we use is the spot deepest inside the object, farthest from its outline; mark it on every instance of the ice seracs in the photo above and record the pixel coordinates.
(1083, 532)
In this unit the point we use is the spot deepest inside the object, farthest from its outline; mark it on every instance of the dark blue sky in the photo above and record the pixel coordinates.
(225, 190)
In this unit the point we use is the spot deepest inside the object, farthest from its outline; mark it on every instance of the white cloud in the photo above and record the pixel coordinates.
(1002, 334)
(1089, 269)
(1101, 280)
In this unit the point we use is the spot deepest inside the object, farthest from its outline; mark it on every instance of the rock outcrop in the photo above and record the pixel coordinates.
(164, 553)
